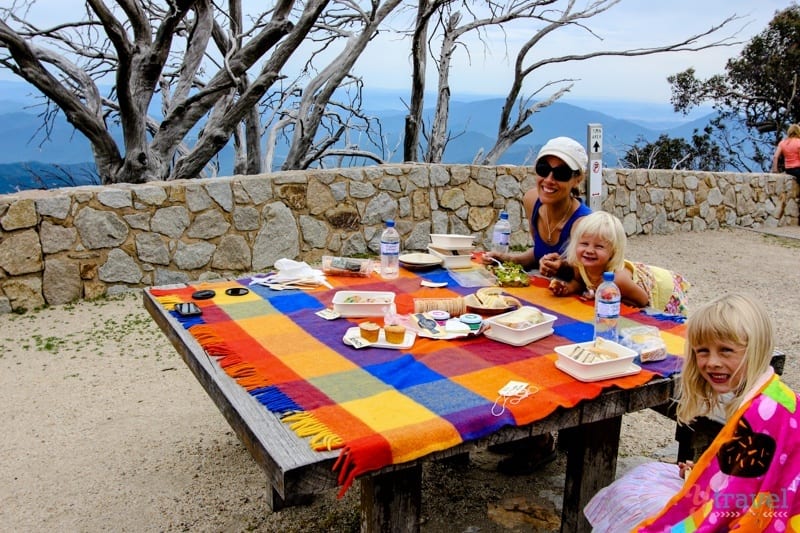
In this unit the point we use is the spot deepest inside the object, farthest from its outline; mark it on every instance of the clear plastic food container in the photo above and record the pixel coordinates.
(347, 266)
(645, 341)
(363, 303)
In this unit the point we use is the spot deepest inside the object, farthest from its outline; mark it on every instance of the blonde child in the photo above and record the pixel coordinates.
(598, 245)
(740, 482)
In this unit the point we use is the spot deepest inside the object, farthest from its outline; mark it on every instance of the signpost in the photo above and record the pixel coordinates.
(594, 187)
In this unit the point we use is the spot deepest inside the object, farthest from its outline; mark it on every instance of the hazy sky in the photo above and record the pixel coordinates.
(630, 24)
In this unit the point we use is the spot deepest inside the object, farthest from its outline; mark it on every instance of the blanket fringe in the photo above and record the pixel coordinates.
(214, 344)
(363, 455)
(167, 300)
(326, 441)
(348, 471)
(207, 337)
(307, 425)
(275, 400)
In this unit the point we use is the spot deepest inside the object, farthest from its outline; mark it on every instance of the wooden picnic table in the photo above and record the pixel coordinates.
(391, 497)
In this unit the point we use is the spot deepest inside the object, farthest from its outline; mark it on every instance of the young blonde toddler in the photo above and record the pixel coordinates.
(598, 245)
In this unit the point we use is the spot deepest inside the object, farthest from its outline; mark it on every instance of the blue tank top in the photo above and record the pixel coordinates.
(540, 247)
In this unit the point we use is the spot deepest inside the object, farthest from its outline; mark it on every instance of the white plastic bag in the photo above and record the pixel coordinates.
(291, 274)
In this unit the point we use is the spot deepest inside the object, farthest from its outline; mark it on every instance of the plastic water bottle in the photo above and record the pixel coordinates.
(606, 309)
(501, 234)
(390, 251)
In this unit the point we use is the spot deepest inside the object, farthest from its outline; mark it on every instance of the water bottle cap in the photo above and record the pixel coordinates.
(503, 214)
(608, 276)
(390, 223)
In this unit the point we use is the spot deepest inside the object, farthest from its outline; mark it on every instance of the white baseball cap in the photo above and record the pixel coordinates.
(568, 150)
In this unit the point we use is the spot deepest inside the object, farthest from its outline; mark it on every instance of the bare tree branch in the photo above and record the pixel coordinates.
(513, 131)
(322, 87)
(206, 67)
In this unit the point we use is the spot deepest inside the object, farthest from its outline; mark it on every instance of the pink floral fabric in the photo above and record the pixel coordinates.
(747, 480)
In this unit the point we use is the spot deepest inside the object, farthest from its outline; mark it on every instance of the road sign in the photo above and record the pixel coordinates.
(595, 138)
(594, 189)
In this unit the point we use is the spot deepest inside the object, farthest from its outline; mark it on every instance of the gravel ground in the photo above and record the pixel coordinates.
(106, 429)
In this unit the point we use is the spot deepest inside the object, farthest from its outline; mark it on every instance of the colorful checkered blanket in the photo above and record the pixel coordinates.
(386, 406)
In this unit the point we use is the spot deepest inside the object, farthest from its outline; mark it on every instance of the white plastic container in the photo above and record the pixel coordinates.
(450, 241)
(452, 258)
(506, 329)
(621, 365)
(646, 341)
(363, 303)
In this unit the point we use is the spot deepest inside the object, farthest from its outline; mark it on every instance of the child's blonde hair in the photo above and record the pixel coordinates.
(794, 130)
(604, 226)
(734, 318)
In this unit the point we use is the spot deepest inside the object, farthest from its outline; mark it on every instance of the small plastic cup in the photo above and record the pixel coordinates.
(472, 320)
(439, 316)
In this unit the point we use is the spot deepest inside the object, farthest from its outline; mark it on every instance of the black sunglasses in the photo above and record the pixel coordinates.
(560, 173)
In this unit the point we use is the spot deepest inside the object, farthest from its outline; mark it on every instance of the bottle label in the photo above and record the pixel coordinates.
(390, 248)
(607, 309)
(500, 237)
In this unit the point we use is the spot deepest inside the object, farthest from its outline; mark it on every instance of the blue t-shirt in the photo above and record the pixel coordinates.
(541, 248)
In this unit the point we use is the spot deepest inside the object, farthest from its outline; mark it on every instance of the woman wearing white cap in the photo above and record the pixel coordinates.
(553, 205)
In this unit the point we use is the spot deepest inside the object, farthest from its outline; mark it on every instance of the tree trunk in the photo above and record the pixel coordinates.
(419, 62)
(438, 136)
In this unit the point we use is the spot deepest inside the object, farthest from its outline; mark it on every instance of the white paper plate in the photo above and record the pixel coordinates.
(628, 371)
(408, 340)
(420, 259)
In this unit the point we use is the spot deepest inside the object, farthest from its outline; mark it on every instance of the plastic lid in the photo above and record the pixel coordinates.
(503, 214)
(471, 318)
(608, 276)
(390, 223)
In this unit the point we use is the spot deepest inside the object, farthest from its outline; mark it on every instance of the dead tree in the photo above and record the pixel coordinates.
(419, 61)
(210, 72)
(550, 15)
(358, 28)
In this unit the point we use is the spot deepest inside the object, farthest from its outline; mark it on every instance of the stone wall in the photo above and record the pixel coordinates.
(61, 245)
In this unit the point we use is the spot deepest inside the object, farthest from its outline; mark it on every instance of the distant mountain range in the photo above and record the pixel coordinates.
(25, 152)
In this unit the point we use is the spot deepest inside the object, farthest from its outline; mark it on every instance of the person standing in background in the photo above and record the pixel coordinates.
(789, 149)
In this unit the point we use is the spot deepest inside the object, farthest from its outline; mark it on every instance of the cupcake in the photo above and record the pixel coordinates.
(369, 331)
(394, 334)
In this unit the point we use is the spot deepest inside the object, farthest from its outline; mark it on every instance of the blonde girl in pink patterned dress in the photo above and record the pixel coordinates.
(747, 480)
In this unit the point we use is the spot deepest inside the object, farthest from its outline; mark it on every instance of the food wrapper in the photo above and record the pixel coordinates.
(347, 266)
(646, 341)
